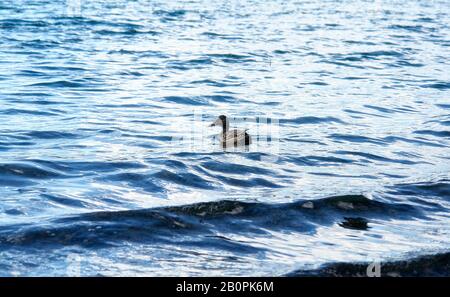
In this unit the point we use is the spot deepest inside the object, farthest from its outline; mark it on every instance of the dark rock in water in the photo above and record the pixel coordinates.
(428, 266)
(355, 223)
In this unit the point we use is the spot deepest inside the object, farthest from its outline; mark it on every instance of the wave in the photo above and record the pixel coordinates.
(176, 13)
(215, 83)
(440, 86)
(59, 84)
(361, 56)
(317, 160)
(14, 24)
(410, 28)
(214, 35)
(435, 133)
(368, 157)
(15, 111)
(393, 139)
(136, 181)
(89, 166)
(202, 100)
(184, 179)
(27, 170)
(234, 168)
(439, 189)
(26, 173)
(444, 106)
(230, 57)
(40, 44)
(127, 32)
(311, 120)
(186, 100)
(356, 138)
(51, 135)
(165, 224)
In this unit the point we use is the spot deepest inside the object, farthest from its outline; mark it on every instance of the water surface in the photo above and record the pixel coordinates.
(92, 181)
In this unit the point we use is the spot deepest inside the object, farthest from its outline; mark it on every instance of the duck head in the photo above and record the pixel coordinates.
(221, 121)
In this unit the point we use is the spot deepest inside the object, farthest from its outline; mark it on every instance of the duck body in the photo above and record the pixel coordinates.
(233, 137)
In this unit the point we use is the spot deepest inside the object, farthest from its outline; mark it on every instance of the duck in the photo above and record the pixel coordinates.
(231, 138)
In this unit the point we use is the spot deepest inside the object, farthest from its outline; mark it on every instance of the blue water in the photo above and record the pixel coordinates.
(94, 182)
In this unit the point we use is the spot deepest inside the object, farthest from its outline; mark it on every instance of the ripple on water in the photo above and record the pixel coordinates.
(51, 135)
(311, 120)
